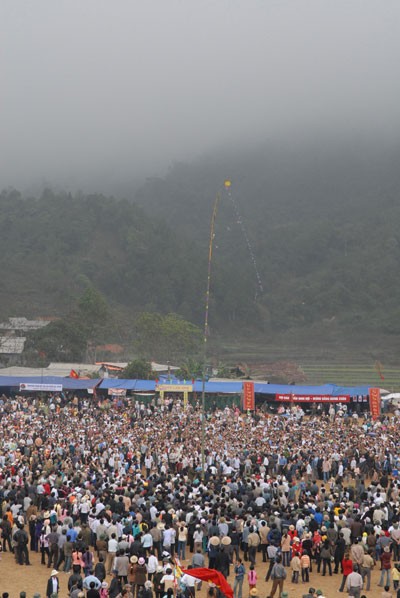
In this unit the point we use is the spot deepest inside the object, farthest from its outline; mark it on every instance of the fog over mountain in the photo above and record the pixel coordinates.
(96, 94)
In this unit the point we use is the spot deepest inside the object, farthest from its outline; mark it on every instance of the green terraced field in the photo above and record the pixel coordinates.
(352, 375)
(332, 361)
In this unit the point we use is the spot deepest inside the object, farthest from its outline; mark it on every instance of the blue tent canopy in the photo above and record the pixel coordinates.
(134, 385)
(325, 389)
(223, 387)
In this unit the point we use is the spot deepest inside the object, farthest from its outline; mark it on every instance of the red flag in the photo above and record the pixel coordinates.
(95, 387)
(212, 576)
(73, 374)
(378, 367)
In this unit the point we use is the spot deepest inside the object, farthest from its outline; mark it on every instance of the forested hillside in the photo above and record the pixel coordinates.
(54, 246)
(322, 224)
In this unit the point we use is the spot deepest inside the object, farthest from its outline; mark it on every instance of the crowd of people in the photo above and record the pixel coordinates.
(115, 500)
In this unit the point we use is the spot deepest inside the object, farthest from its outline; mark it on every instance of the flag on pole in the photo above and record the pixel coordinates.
(178, 569)
(378, 367)
(95, 387)
(73, 374)
(211, 576)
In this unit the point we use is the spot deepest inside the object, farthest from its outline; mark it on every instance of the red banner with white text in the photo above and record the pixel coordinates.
(292, 398)
(248, 396)
(375, 402)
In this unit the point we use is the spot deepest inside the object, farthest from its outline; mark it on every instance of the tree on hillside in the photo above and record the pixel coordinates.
(92, 307)
(167, 337)
(63, 340)
(68, 339)
(189, 368)
(138, 369)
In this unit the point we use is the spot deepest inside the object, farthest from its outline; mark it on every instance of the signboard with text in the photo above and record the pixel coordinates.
(174, 388)
(41, 387)
(292, 398)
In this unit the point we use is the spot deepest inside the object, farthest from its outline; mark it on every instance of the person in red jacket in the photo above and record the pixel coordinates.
(347, 565)
(386, 564)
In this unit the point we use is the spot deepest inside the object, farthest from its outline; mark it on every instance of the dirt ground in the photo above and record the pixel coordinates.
(15, 579)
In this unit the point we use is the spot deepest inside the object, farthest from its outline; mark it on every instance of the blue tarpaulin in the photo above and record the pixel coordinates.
(223, 387)
(134, 385)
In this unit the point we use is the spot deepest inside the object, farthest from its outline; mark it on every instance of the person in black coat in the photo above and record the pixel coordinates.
(340, 548)
(53, 584)
(100, 570)
(222, 563)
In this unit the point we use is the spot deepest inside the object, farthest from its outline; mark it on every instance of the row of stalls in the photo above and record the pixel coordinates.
(245, 394)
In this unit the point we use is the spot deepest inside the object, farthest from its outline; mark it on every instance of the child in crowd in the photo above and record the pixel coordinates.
(305, 566)
(252, 577)
(295, 566)
(395, 575)
(386, 592)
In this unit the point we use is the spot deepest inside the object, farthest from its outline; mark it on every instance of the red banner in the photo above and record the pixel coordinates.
(292, 398)
(375, 402)
(248, 396)
(211, 576)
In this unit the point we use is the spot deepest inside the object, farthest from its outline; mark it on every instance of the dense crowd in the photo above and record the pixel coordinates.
(113, 497)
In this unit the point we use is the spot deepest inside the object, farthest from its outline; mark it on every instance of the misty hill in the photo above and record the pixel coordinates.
(53, 246)
(322, 224)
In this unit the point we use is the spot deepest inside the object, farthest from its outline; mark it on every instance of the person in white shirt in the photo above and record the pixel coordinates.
(152, 564)
(111, 552)
(354, 583)
(189, 582)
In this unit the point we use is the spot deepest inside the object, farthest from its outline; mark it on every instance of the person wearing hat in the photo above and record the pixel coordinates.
(53, 584)
(137, 573)
(104, 590)
(253, 592)
(310, 593)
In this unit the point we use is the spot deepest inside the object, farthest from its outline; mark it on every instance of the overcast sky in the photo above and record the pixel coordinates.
(95, 90)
